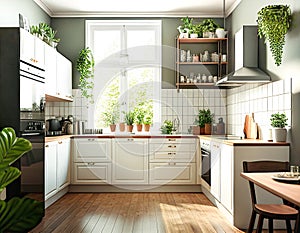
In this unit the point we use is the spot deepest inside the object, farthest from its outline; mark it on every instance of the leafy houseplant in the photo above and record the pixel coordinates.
(129, 119)
(110, 118)
(139, 113)
(85, 66)
(207, 119)
(147, 121)
(278, 122)
(167, 127)
(200, 123)
(273, 23)
(45, 33)
(208, 27)
(17, 214)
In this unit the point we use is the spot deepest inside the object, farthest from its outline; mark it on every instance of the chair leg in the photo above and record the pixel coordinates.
(251, 223)
(288, 226)
(270, 225)
(260, 224)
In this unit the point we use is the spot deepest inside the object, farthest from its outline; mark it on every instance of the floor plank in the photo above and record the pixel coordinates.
(134, 213)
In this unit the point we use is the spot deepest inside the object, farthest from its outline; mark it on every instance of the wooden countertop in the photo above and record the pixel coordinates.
(57, 138)
(242, 142)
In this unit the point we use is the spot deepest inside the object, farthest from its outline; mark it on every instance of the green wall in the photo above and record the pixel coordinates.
(10, 9)
(72, 33)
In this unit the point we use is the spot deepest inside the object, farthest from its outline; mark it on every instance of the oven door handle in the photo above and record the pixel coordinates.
(205, 153)
(30, 134)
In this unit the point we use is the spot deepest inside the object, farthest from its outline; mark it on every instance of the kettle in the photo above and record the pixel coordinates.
(53, 125)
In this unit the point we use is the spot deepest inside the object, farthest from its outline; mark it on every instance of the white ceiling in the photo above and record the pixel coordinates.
(142, 8)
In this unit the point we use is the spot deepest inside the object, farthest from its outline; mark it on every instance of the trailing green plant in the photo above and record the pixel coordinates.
(273, 22)
(209, 25)
(17, 214)
(167, 127)
(129, 117)
(278, 120)
(85, 66)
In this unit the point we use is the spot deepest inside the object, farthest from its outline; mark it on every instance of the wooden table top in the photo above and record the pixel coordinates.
(287, 191)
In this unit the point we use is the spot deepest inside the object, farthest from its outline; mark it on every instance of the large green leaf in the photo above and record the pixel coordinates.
(11, 147)
(7, 176)
(20, 214)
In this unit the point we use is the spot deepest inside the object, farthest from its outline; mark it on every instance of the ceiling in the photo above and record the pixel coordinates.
(142, 8)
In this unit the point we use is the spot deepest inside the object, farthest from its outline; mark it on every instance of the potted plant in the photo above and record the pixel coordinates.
(110, 118)
(196, 31)
(207, 117)
(186, 27)
(17, 214)
(85, 66)
(273, 23)
(167, 127)
(139, 113)
(147, 121)
(200, 123)
(129, 119)
(209, 26)
(278, 122)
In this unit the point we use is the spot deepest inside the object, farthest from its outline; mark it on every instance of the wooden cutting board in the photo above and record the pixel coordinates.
(250, 127)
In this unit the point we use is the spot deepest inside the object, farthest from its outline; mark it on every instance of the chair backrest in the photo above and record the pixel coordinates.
(263, 166)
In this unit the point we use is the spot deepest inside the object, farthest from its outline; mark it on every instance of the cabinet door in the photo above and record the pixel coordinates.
(64, 76)
(130, 161)
(215, 169)
(92, 150)
(92, 173)
(50, 70)
(26, 46)
(227, 177)
(50, 169)
(172, 173)
(63, 163)
(39, 52)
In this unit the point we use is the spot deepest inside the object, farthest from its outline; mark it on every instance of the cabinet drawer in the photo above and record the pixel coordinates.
(92, 150)
(92, 173)
(172, 157)
(172, 147)
(172, 140)
(172, 173)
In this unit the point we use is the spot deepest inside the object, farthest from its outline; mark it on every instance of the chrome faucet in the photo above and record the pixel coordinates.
(176, 124)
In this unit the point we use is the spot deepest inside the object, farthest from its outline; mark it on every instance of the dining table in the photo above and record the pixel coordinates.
(288, 191)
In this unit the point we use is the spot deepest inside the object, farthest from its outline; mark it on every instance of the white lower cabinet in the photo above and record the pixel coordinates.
(92, 161)
(130, 161)
(215, 167)
(172, 161)
(57, 166)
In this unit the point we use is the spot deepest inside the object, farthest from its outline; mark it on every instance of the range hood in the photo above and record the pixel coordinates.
(246, 60)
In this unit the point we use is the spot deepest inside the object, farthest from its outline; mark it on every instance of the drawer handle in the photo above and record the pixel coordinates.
(172, 139)
(60, 142)
(171, 153)
(172, 164)
(130, 139)
(172, 146)
(91, 139)
(91, 164)
(46, 145)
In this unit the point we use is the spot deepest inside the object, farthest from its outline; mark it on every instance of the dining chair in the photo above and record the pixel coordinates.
(268, 211)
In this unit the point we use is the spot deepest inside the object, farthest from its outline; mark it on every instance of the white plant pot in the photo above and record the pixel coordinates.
(194, 35)
(279, 134)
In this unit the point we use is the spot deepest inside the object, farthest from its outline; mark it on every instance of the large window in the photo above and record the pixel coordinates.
(127, 67)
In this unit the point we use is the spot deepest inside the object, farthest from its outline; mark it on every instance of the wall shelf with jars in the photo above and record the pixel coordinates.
(200, 62)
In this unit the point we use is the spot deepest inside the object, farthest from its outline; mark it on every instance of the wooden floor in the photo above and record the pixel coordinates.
(134, 213)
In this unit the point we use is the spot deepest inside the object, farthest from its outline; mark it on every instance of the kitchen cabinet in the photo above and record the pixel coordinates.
(50, 169)
(57, 168)
(92, 161)
(130, 161)
(32, 49)
(50, 70)
(172, 161)
(187, 68)
(63, 76)
(215, 163)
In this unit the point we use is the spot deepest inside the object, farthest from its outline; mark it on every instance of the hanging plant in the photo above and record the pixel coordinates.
(274, 22)
(85, 66)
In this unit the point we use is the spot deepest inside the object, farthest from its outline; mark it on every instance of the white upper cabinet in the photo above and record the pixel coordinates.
(50, 70)
(32, 49)
(63, 76)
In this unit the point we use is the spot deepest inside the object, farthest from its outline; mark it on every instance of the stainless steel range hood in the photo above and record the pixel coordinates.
(246, 60)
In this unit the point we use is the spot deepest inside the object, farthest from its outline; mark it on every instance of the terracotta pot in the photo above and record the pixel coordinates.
(122, 127)
(207, 128)
(202, 130)
(139, 127)
(147, 128)
(196, 130)
(129, 128)
(112, 128)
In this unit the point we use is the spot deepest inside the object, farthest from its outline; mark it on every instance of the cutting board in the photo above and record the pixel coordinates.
(250, 127)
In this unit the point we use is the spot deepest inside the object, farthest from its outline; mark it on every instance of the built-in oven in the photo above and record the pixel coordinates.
(205, 161)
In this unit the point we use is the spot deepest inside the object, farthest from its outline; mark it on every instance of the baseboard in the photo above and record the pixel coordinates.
(55, 197)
